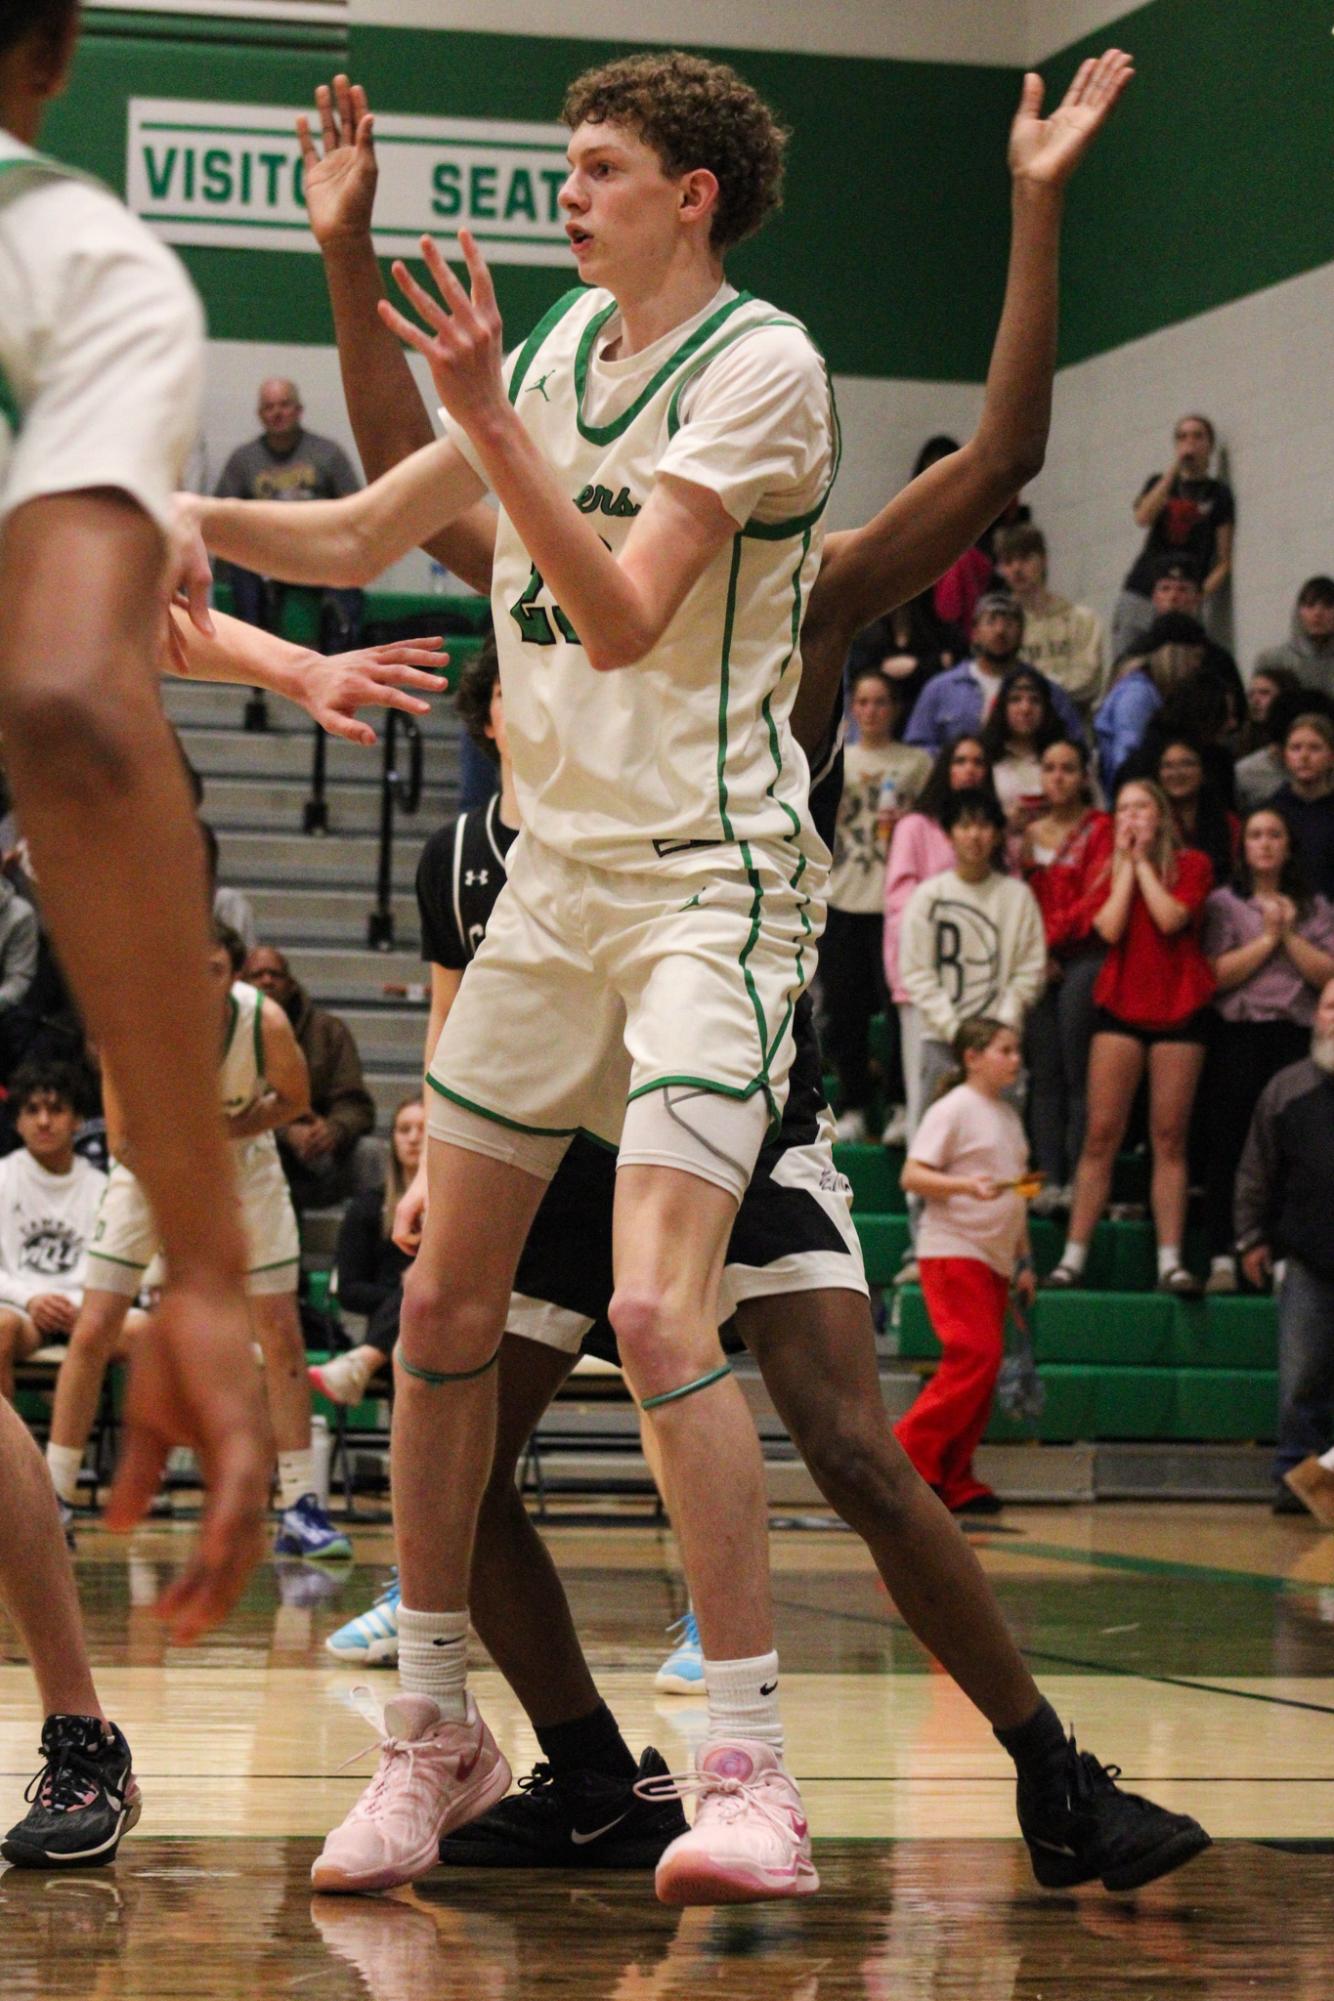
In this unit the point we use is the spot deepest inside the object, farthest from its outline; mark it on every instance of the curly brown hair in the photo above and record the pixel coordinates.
(693, 114)
(472, 697)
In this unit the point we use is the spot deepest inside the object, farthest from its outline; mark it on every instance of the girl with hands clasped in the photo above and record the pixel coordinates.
(968, 1164)
(1152, 998)
(1271, 945)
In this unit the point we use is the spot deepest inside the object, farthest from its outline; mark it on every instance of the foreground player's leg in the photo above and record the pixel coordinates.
(816, 1352)
(101, 796)
(305, 1529)
(85, 1797)
(439, 1765)
(579, 1808)
(670, 1230)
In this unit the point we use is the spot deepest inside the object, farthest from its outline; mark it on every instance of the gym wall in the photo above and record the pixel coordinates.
(1198, 267)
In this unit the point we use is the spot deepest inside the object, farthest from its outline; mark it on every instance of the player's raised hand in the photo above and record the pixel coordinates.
(465, 346)
(340, 174)
(1046, 151)
(336, 686)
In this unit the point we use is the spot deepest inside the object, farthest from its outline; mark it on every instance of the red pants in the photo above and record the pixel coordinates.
(966, 1301)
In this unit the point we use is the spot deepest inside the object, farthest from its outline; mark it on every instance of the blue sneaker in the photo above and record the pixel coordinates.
(371, 1639)
(682, 1673)
(305, 1530)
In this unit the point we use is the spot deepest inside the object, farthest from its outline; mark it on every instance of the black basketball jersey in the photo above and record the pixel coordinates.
(459, 876)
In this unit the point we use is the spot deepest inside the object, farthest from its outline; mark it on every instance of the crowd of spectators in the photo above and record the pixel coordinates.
(1120, 848)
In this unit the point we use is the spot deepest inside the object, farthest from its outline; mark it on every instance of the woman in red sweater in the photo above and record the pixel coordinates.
(1065, 854)
(1152, 1000)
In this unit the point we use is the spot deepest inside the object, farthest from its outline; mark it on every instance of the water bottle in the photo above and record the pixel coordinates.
(886, 806)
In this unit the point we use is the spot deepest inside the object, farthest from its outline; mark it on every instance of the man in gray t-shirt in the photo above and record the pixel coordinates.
(287, 462)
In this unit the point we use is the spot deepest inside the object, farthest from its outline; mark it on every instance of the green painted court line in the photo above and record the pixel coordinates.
(1158, 1566)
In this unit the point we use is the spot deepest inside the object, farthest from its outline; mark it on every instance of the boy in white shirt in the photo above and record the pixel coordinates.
(48, 1203)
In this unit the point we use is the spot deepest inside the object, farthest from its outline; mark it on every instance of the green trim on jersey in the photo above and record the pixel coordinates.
(498, 1118)
(128, 1263)
(233, 1016)
(538, 335)
(9, 405)
(259, 1040)
(606, 434)
(278, 1264)
(740, 1092)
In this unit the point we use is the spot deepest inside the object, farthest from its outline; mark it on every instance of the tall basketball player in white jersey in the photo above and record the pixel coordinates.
(662, 448)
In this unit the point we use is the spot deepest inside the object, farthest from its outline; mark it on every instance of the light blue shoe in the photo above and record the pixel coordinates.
(305, 1530)
(682, 1673)
(371, 1639)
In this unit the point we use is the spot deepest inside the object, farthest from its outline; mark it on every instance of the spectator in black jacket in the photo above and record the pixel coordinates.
(371, 1266)
(1284, 1210)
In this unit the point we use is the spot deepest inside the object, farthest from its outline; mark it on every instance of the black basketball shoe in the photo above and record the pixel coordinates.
(83, 1800)
(571, 1820)
(1095, 1829)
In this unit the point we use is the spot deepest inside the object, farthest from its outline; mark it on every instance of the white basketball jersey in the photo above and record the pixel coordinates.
(241, 1072)
(691, 748)
(20, 169)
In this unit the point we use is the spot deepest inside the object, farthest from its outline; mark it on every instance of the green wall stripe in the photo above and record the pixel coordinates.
(891, 245)
(1214, 181)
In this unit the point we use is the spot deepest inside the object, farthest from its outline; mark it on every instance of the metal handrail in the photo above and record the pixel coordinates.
(403, 792)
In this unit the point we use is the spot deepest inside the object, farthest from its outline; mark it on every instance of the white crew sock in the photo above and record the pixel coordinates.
(1327, 1460)
(64, 1462)
(433, 1658)
(1075, 1256)
(1169, 1257)
(296, 1477)
(743, 1700)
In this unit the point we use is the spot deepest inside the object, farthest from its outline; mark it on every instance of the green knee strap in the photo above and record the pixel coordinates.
(437, 1378)
(687, 1389)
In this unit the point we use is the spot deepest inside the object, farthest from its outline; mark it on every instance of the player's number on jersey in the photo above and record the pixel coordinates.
(534, 619)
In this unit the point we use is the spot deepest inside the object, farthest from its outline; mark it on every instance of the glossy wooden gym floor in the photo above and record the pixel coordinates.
(1193, 1646)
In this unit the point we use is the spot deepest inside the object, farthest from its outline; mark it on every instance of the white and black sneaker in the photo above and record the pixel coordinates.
(84, 1798)
(571, 1820)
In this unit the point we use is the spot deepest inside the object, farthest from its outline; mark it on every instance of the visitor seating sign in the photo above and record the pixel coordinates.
(231, 175)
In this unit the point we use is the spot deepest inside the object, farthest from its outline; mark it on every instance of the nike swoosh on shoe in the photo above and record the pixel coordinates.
(581, 1840)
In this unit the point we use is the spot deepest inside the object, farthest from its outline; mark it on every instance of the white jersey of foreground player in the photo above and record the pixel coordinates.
(101, 343)
(691, 745)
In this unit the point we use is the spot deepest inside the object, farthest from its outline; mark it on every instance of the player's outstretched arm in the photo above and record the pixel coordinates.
(619, 605)
(913, 540)
(332, 688)
(389, 418)
(348, 542)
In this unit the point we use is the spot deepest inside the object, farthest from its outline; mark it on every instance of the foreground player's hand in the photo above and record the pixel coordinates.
(339, 184)
(1046, 151)
(193, 1381)
(189, 576)
(410, 1215)
(465, 348)
(335, 686)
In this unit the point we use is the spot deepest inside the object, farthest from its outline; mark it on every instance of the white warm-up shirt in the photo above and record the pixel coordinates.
(45, 1223)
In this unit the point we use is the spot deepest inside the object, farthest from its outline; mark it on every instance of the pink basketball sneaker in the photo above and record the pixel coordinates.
(433, 1776)
(749, 1840)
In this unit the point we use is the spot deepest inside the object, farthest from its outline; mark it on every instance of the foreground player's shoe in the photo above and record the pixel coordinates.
(433, 1775)
(83, 1800)
(1313, 1484)
(572, 1820)
(1097, 1830)
(682, 1673)
(343, 1378)
(305, 1530)
(750, 1840)
(371, 1639)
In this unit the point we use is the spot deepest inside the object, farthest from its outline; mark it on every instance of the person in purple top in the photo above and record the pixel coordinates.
(957, 703)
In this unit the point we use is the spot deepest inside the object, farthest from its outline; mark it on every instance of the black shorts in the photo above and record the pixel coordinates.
(793, 1231)
(1197, 1027)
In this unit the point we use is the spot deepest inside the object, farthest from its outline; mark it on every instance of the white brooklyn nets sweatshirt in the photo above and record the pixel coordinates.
(970, 948)
(45, 1223)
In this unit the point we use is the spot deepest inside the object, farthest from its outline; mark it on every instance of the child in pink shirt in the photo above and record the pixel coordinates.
(968, 1162)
